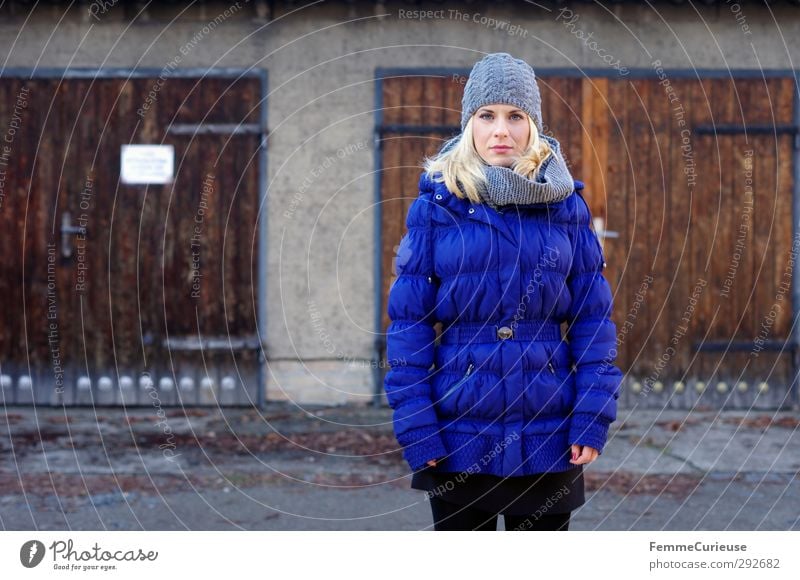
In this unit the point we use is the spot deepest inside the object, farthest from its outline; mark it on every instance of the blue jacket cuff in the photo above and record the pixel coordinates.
(422, 444)
(588, 429)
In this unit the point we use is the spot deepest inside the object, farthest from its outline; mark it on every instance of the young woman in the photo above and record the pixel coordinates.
(500, 416)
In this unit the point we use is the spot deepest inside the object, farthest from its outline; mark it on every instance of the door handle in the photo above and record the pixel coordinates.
(600, 229)
(67, 231)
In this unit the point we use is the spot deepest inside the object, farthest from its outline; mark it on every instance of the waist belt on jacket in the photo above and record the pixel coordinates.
(521, 330)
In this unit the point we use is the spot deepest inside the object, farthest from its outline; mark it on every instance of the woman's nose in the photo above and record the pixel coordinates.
(500, 129)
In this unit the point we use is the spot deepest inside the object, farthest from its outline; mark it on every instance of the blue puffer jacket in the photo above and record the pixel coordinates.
(502, 392)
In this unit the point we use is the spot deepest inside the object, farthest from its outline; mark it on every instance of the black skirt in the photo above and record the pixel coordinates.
(553, 493)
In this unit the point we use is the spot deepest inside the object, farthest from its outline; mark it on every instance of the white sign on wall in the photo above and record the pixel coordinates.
(147, 163)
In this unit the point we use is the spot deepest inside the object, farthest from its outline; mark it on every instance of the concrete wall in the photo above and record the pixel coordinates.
(321, 62)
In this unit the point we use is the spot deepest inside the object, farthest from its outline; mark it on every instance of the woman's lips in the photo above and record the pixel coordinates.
(501, 149)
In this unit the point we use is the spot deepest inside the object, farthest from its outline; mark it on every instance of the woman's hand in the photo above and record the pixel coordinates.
(432, 463)
(582, 454)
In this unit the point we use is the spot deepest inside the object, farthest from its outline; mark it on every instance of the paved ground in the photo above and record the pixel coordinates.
(340, 469)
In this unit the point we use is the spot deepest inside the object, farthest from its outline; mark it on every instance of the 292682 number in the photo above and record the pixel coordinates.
(758, 563)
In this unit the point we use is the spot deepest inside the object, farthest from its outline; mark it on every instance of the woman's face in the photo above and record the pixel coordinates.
(500, 133)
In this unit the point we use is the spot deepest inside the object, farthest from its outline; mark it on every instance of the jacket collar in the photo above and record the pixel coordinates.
(465, 208)
(481, 212)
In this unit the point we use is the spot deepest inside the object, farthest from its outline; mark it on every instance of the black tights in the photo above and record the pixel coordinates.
(449, 516)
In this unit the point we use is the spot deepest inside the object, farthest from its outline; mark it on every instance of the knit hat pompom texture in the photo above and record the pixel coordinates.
(501, 78)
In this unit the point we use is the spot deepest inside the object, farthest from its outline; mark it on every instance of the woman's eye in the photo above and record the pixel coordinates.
(485, 115)
(517, 115)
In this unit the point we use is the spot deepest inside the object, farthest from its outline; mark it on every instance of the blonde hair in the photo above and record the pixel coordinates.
(463, 165)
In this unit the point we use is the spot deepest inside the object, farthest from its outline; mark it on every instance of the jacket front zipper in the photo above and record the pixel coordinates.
(458, 383)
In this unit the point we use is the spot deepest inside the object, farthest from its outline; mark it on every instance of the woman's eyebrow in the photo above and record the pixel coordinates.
(511, 111)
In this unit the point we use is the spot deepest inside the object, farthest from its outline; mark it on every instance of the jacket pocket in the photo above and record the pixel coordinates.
(460, 381)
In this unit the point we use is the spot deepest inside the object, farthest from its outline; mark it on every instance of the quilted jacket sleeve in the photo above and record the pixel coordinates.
(410, 341)
(592, 338)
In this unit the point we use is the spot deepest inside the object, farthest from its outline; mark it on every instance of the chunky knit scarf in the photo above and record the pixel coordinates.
(504, 186)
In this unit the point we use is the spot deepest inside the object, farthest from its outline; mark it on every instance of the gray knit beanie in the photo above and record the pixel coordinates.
(501, 78)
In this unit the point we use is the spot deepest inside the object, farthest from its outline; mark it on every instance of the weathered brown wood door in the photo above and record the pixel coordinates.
(690, 184)
(120, 293)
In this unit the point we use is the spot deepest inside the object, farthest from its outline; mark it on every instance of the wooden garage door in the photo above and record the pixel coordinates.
(690, 184)
(120, 293)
